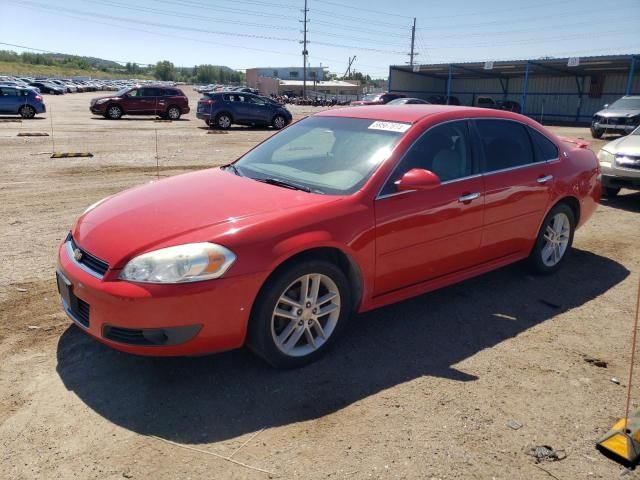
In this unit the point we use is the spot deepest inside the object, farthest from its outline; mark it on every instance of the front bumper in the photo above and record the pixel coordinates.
(615, 181)
(98, 109)
(617, 128)
(160, 320)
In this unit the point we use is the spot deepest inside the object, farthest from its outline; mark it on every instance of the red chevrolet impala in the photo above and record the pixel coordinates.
(342, 212)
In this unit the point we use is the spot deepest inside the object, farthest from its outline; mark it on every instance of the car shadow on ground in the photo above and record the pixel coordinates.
(138, 119)
(18, 117)
(205, 399)
(624, 201)
(240, 128)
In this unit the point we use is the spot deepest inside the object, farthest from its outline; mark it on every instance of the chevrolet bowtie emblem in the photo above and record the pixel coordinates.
(77, 254)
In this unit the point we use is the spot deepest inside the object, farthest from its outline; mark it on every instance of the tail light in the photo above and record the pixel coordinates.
(208, 102)
(38, 98)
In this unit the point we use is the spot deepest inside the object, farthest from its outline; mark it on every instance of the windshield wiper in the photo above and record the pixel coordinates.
(285, 184)
(233, 168)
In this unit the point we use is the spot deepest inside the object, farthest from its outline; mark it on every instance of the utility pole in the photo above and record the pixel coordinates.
(305, 52)
(348, 72)
(413, 42)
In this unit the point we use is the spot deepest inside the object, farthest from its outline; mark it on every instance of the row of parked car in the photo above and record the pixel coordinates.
(387, 98)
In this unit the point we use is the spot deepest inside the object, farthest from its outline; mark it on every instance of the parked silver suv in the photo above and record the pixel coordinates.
(620, 164)
(622, 116)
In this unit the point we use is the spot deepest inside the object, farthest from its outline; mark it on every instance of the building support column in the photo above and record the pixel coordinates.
(632, 67)
(449, 83)
(523, 99)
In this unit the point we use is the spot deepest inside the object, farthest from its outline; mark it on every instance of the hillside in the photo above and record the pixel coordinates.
(23, 69)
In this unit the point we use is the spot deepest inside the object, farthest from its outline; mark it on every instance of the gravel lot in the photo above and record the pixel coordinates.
(418, 390)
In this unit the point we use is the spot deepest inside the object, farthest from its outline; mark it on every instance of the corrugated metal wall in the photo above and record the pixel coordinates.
(548, 97)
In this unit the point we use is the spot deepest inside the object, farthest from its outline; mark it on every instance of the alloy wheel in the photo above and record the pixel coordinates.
(173, 113)
(305, 315)
(557, 235)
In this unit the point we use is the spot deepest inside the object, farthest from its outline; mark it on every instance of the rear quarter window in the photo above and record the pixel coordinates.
(545, 149)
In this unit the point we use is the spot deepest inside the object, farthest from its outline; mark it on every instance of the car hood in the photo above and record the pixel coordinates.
(611, 112)
(365, 102)
(104, 97)
(629, 145)
(193, 207)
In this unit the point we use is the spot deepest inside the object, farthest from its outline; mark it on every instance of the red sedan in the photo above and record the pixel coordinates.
(342, 212)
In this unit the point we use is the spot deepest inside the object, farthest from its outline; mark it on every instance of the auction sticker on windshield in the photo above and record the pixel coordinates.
(390, 126)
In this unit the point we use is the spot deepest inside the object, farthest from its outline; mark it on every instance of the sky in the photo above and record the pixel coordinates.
(261, 33)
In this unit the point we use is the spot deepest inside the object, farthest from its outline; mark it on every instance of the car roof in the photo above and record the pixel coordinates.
(411, 113)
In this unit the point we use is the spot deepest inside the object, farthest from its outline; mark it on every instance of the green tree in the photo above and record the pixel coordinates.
(165, 70)
(206, 74)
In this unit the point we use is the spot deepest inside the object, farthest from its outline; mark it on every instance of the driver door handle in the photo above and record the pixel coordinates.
(545, 179)
(468, 197)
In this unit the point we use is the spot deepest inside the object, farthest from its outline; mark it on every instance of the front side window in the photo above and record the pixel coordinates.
(506, 144)
(332, 155)
(134, 93)
(444, 150)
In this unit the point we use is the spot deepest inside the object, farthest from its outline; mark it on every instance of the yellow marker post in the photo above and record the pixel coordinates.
(623, 441)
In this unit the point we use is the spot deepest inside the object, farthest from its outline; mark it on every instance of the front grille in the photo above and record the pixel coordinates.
(132, 336)
(628, 161)
(613, 121)
(82, 312)
(91, 262)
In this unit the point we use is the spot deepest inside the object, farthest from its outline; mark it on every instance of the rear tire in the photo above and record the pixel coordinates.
(114, 112)
(27, 111)
(554, 240)
(173, 113)
(610, 192)
(223, 121)
(288, 328)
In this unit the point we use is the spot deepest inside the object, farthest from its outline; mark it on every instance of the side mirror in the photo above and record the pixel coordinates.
(418, 179)
(606, 105)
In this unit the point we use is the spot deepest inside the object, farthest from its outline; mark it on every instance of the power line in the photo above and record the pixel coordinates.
(56, 9)
(368, 10)
(187, 16)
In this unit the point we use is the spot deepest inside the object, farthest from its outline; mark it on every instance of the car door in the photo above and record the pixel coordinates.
(423, 235)
(149, 101)
(133, 101)
(242, 109)
(261, 111)
(10, 100)
(518, 184)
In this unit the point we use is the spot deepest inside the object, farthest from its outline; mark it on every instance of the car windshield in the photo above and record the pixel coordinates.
(332, 155)
(371, 98)
(119, 93)
(636, 131)
(626, 104)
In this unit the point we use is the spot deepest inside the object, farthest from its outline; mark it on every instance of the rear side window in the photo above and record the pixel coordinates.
(506, 144)
(173, 93)
(545, 149)
(8, 92)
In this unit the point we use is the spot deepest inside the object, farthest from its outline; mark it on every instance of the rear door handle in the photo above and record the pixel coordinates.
(468, 197)
(545, 179)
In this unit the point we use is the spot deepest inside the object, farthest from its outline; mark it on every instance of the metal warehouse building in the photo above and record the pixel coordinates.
(548, 90)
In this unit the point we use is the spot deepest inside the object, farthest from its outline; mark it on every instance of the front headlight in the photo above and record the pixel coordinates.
(102, 100)
(192, 262)
(605, 158)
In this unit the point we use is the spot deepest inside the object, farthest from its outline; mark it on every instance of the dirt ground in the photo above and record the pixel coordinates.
(423, 389)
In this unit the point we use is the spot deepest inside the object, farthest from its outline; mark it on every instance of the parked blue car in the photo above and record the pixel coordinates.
(222, 109)
(21, 101)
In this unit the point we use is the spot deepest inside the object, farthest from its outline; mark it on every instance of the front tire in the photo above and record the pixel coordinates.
(114, 112)
(279, 122)
(299, 313)
(27, 111)
(554, 240)
(596, 132)
(610, 192)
